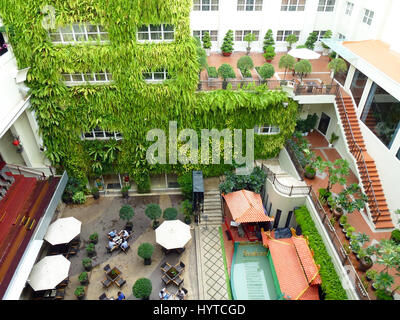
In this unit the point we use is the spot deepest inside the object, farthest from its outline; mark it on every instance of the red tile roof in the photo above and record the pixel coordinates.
(246, 206)
(295, 267)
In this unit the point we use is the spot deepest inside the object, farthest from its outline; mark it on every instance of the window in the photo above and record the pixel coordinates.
(266, 129)
(293, 5)
(358, 85)
(155, 33)
(326, 5)
(349, 8)
(249, 5)
(341, 36)
(82, 32)
(205, 5)
(156, 76)
(320, 34)
(100, 134)
(381, 115)
(3, 46)
(368, 15)
(240, 34)
(200, 34)
(283, 34)
(71, 79)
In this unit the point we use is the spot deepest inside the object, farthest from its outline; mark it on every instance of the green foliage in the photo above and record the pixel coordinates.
(395, 236)
(143, 182)
(249, 38)
(286, 62)
(226, 71)
(327, 35)
(269, 53)
(79, 198)
(86, 262)
(186, 208)
(201, 54)
(126, 213)
(145, 250)
(303, 67)
(170, 214)
(334, 138)
(310, 42)
(345, 200)
(94, 236)
(331, 284)
(212, 72)
(245, 64)
(266, 71)
(83, 277)
(268, 40)
(142, 288)
(291, 39)
(73, 186)
(79, 291)
(186, 184)
(90, 247)
(383, 295)
(337, 65)
(252, 182)
(153, 211)
(227, 44)
(337, 171)
(206, 41)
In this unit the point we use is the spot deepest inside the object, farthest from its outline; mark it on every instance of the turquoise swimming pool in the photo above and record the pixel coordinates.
(252, 273)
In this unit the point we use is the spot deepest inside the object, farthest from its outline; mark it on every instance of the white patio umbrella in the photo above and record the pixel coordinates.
(49, 272)
(63, 230)
(304, 53)
(173, 234)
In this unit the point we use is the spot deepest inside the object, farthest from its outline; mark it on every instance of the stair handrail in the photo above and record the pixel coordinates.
(360, 158)
(21, 169)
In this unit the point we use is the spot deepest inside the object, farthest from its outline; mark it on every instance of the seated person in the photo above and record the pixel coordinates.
(121, 296)
(112, 234)
(124, 245)
(181, 294)
(163, 294)
(111, 244)
(124, 234)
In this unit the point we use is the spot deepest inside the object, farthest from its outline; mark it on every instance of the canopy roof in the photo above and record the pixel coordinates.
(63, 230)
(172, 234)
(246, 206)
(304, 53)
(297, 273)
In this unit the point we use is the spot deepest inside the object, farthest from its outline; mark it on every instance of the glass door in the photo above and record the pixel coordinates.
(324, 123)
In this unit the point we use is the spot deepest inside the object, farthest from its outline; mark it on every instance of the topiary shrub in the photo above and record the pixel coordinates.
(91, 249)
(266, 71)
(245, 64)
(170, 214)
(94, 238)
(226, 71)
(145, 251)
(227, 44)
(80, 292)
(87, 264)
(153, 212)
(79, 198)
(269, 53)
(395, 236)
(212, 72)
(142, 288)
(206, 40)
(268, 40)
(83, 278)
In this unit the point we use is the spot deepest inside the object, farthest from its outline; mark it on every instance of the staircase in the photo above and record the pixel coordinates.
(366, 165)
(212, 208)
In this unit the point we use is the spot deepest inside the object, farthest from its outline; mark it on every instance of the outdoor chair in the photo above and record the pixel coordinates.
(165, 279)
(106, 282)
(109, 250)
(107, 268)
(125, 250)
(165, 266)
(180, 266)
(103, 297)
(60, 294)
(178, 281)
(120, 282)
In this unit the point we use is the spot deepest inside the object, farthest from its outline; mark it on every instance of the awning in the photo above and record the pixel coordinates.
(173, 234)
(304, 53)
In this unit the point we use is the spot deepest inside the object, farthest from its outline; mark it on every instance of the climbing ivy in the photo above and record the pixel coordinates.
(128, 105)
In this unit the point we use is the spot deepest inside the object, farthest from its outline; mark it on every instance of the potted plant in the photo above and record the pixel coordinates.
(332, 221)
(266, 71)
(310, 172)
(268, 40)
(227, 44)
(87, 264)
(126, 213)
(207, 42)
(395, 236)
(226, 72)
(291, 39)
(333, 139)
(80, 292)
(286, 62)
(349, 232)
(153, 212)
(142, 289)
(345, 227)
(245, 64)
(342, 221)
(269, 54)
(83, 278)
(355, 246)
(125, 191)
(303, 67)
(371, 275)
(365, 260)
(187, 211)
(323, 195)
(95, 192)
(383, 281)
(91, 250)
(347, 249)
(170, 214)
(94, 238)
(249, 38)
(145, 251)
(337, 171)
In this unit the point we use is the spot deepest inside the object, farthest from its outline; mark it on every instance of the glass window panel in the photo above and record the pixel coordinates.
(77, 77)
(156, 36)
(147, 76)
(158, 76)
(109, 134)
(109, 76)
(93, 36)
(89, 77)
(66, 77)
(55, 37)
(89, 134)
(168, 27)
(99, 134)
(155, 27)
(168, 36)
(80, 37)
(66, 29)
(91, 28)
(143, 28)
(358, 85)
(68, 37)
(100, 77)
(78, 28)
(143, 36)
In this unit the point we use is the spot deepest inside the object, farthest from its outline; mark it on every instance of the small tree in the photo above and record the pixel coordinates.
(145, 251)
(126, 213)
(245, 64)
(227, 44)
(303, 67)
(337, 65)
(153, 212)
(142, 288)
(249, 38)
(337, 171)
(206, 40)
(266, 71)
(291, 39)
(287, 62)
(226, 71)
(170, 214)
(269, 53)
(311, 40)
(327, 35)
(268, 40)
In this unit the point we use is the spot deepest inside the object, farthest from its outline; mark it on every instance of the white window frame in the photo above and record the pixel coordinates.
(149, 32)
(285, 34)
(95, 132)
(267, 129)
(243, 33)
(349, 8)
(205, 5)
(200, 34)
(368, 16)
(164, 72)
(79, 78)
(79, 37)
(320, 34)
(249, 5)
(326, 5)
(289, 5)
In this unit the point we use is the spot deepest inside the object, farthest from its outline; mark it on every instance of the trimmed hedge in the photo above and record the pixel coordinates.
(331, 284)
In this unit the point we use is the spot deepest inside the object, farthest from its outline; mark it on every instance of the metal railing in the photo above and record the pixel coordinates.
(357, 152)
(39, 174)
(296, 162)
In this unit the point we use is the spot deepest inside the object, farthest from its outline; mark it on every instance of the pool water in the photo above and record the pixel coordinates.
(252, 273)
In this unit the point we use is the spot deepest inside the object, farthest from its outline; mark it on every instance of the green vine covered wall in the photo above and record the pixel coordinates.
(128, 105)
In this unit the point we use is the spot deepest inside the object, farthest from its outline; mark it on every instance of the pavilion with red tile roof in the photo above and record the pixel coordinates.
(297, 272)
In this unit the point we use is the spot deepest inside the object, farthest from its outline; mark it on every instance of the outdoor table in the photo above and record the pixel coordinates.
(172, 273)
(114, 274)
(118, 240)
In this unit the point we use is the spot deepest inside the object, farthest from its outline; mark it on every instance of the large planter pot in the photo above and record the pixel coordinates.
(94, 241)
(188, 220)
(147, 262)
(226, 54)
(81, 297)
(155, 224)
(91, 253)
(88, 267)
(125, 194)
(337, 214)
(310, 175)
(84, 283)
(365, 264)
(96, 195)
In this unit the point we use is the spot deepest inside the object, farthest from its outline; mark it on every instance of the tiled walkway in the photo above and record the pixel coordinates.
(212, 283)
